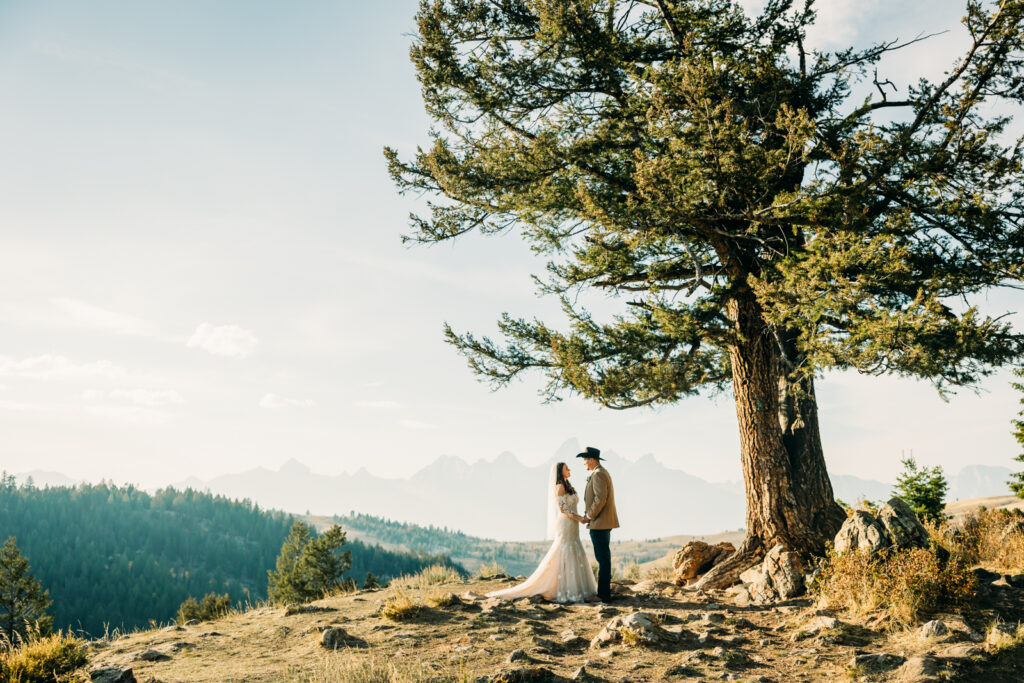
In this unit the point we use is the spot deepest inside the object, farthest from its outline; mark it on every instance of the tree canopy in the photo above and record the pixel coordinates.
(757, 219)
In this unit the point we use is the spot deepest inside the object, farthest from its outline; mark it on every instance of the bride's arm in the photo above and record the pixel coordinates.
(563, 506)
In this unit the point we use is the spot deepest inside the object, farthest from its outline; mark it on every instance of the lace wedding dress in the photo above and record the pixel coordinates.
(564, 575)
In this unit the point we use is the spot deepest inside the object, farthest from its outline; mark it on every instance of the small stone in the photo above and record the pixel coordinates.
(151, 656)
(112, 675)
(174, 627)
(517, 656)
(877, 662)
(581, 674)
(181, 645)
(934, 629)
(469, 596)
(714, 617)
(718, 651)
(497, 636)
(961, 651)
(210, 634)
(192, 622)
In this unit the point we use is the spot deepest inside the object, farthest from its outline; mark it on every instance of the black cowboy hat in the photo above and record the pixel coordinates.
(591, 452)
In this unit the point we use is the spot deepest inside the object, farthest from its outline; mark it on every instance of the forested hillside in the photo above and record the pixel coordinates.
(118, 557)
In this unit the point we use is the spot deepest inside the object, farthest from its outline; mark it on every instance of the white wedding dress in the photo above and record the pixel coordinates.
(564, 575)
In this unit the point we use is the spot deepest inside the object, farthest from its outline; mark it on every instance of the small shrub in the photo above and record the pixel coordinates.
(400, 607)
(1003, 637)
(43, 660)
(371, 582)
(660, 573)
(994, 538)
(490, 571)
(430, 576)
(442, 599)
(906, 584)
(211, 608)
(631, 571)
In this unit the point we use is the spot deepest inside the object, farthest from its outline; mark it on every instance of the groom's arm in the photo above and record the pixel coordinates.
(600, 486)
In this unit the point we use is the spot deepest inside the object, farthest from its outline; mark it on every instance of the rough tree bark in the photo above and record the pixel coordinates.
(789, 496)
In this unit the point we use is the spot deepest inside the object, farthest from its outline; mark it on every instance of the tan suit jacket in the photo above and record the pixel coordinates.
(599, 499)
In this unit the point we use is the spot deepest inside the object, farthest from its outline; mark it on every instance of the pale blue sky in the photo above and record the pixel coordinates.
(201, 272)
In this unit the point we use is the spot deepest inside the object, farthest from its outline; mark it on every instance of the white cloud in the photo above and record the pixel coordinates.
(54, 367)
(386, 405)
(223, 340)
(278, 401)
(140, 397)
(416, 424)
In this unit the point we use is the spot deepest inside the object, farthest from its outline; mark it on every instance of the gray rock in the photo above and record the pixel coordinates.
(192, 622)
(714, 617)
(637, 626)
(961, 651)
(181, 645)
(581, 674)
(861, 531)
(112, 675)
(517, 656)
(151, 656)
(920, 668)
(681, 671)
(901, 525)
(336, 637)
(781, 577)
(529, 674)
(934, 629)
(877, 662)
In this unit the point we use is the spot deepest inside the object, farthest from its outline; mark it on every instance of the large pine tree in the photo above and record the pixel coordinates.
(757, 223)
(23, 602)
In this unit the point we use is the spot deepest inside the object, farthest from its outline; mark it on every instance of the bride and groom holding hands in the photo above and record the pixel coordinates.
(564, 574)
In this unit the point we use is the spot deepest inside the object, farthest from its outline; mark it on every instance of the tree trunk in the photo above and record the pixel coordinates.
(788, 494)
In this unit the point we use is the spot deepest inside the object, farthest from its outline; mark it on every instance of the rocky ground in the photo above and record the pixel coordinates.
(654, 631)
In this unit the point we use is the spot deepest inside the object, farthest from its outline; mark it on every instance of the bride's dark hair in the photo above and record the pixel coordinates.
(560, 478)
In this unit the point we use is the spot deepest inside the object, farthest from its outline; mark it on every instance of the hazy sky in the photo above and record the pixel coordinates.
(201, 272)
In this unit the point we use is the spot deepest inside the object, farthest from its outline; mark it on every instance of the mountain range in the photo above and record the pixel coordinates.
(504, 498)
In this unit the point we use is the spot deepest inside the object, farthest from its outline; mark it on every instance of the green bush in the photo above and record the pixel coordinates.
(212, 607)
(43, 660)
(924, 490)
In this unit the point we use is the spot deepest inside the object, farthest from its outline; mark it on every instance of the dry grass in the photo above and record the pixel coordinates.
(904, 584)
(442, 599)
(490, 571)
(51, 658)
(660, 573)
(354, 668)
(400, 607)
(430, 576)
(993, 538)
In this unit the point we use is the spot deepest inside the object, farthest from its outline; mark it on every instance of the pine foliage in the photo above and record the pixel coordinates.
(23, 602)
(309, 566)
(923, 489)
(1017, 479)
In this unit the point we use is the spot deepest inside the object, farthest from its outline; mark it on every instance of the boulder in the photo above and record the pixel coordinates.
(934, 629)
(639, 627)
(336, 637)
(877, 662)
(861, 531)
(527, 674)
(696, 558)
(780, 577)
(921, 668)
(901, 525)
(112, 675)
(151, 656)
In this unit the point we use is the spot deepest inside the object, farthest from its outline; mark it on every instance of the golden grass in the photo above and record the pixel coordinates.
(489, 571)
(442, 599)
(429, 576)
(43, 660)
(660, 573)
(993, 538)
(400, 607)
(904, 584)
(353, 668)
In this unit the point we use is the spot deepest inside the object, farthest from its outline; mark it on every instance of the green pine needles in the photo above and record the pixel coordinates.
(1017, 479)
(23, 602)
(309, 566)
(923, 489)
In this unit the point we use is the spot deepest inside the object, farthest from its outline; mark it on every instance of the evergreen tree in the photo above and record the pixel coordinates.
(323, 564)
(757, 221)
(923, 489)
(1017, 479)
(286, 583)
(23, 602)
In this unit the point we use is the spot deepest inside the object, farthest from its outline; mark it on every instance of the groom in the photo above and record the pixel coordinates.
(601, 518)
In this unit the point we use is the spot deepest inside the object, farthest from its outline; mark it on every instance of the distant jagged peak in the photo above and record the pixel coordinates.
(294, 467)
(506, 458)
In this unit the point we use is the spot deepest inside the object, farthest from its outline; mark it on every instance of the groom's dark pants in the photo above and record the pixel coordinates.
(601, 538)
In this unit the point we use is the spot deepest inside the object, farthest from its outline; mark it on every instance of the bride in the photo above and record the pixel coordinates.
(564, 575)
